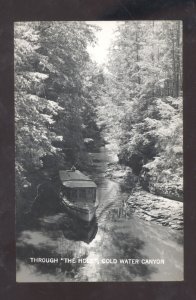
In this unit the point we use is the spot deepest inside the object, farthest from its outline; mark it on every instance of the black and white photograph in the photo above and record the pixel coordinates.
(99, 151)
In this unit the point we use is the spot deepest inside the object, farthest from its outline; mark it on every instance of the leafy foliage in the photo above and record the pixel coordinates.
(143, 87)
(54, 100)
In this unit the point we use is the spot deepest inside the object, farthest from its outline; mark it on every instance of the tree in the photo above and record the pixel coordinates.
(65, 45)
(51, 62)
(144, 85)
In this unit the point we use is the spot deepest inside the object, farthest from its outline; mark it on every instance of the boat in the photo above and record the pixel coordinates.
(80, 231)
(78, 194)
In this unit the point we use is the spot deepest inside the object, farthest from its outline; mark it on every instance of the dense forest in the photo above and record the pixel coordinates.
(55, 99)
(142, 103)
(63, 100)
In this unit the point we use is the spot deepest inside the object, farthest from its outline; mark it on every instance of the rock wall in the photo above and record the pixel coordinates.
(157, 209)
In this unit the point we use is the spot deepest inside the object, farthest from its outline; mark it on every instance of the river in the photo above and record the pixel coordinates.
(115, 247)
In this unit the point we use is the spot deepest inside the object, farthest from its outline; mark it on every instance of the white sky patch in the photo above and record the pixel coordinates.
(99, 52)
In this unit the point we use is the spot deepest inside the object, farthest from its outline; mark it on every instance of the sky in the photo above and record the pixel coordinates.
(105, 35)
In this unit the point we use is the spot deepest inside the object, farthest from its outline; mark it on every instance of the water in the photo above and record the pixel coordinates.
(95, 252)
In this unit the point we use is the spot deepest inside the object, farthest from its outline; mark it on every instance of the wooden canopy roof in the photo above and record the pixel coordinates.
(74, 179)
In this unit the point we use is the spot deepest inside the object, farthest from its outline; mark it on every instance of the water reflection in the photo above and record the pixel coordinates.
(109, 243)
(80, 231)
(111, 235)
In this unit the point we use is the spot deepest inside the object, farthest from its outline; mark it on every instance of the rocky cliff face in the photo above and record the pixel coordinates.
(164, 186)
(157, 209)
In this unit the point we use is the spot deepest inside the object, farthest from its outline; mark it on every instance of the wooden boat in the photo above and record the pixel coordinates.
(78, 194)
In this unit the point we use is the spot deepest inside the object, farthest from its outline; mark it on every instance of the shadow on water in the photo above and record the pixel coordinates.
(71, 227)
(67, 270)
(112, 242)
(53, 236)
(80, 231)
(130, 247)
(111, 235)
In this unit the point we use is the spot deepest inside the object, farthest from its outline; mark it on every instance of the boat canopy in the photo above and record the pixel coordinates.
(79, 184)
(75, 179)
